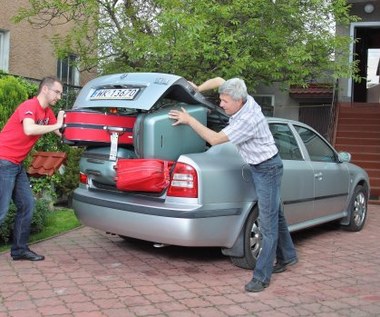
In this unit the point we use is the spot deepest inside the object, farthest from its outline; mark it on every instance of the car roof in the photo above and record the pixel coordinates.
(282, 120)
(288, 121)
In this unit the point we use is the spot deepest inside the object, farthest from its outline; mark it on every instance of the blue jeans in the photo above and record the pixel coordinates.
(276, 239)
(14, 184)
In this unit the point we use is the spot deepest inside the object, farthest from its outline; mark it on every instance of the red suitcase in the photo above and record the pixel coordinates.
(86, 127)
(147, 175)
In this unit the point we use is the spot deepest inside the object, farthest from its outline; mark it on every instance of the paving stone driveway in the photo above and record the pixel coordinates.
(88, 273)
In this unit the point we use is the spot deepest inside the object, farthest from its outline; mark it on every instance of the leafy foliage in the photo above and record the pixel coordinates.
(40, 215)
(68, 181)
(12, 93)
(262, 41)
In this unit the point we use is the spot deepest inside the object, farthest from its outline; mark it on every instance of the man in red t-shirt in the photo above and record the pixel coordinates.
(30, 120)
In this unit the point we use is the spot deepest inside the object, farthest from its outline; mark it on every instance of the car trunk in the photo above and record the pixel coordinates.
(125, 117)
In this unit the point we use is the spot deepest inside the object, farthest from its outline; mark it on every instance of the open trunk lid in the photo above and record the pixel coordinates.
(139, 91)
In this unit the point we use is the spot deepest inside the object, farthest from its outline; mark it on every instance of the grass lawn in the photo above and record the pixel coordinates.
(59, 221)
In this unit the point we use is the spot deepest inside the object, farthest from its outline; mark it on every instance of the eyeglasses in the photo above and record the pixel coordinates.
(57, 91)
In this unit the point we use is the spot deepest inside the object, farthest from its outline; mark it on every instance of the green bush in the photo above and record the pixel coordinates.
(59, 187)
(12, 93)
(40, 215)
(66, 183)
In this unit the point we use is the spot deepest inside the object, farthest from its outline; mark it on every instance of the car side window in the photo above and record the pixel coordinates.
(318, 149)
(285, 142)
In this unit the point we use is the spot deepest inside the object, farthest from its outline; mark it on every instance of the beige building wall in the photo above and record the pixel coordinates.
(30, 53)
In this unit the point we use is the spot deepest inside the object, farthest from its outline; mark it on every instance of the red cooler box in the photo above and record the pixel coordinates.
(86, 127)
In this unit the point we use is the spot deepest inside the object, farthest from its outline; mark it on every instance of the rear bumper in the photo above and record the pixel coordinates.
(158, 221)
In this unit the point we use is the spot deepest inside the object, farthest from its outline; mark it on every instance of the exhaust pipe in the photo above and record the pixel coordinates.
(160, 245)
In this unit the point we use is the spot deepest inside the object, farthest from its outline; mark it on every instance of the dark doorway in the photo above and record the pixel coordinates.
(367, 52)
(317, 116)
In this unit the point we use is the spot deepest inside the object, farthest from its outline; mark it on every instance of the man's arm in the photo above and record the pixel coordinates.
(210, 136)
(209, 84)
(31, 128)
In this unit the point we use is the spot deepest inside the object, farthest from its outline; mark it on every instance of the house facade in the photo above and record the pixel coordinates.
(315, 104)
(348, 116)
(26, 51)
(357, 111)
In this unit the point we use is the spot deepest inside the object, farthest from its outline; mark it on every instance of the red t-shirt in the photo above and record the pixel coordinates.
(14, 143)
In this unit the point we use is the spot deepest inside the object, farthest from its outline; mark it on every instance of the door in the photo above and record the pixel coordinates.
(367, 53)
(331, 178)
(297, 189)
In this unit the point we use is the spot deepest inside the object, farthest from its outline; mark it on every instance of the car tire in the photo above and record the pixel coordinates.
(358, 209)
(252, 243)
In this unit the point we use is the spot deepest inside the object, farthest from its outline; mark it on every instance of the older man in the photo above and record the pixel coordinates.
(249, 131)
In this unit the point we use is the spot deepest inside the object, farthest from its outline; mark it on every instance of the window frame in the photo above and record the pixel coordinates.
(292, 151)
(71, 76)
(4, 50)
(332, 157)
(263, 107)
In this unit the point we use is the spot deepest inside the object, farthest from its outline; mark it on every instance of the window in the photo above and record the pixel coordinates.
(67, 72)
(318, 149)
(4, 50)
(285, 142)
(267, 104)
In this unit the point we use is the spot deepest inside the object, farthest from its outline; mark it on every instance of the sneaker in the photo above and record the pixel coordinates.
(255, 286)
(28, 255)
(282, 267)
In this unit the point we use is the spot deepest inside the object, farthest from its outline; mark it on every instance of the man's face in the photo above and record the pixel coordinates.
(229, 105)
(54, 93)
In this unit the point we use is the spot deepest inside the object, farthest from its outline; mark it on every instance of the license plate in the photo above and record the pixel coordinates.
(115, 94)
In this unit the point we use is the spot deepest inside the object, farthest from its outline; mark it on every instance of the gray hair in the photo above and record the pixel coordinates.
(235, 88)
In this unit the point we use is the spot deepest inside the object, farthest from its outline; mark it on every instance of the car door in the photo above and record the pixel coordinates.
(297, 189)
(331, 177)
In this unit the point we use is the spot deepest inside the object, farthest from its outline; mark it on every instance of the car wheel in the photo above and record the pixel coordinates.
(252, 243)
(357, 209)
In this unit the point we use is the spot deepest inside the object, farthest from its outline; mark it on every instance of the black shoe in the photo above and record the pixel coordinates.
(281, 267)
(255, 286)
(28, 255)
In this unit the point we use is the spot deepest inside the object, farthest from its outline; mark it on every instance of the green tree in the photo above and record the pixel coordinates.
(262, 41)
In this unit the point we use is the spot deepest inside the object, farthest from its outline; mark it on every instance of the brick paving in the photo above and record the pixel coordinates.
(88, 273)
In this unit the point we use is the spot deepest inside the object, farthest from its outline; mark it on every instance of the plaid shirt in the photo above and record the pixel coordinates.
(249, 131)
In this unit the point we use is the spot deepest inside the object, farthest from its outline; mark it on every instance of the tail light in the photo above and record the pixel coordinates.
(113, 110)
(83, 178)
(184, 181)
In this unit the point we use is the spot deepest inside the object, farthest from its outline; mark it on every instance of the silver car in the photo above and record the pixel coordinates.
(210, 200)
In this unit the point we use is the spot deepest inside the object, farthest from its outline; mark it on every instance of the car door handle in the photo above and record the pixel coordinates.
(318, 175)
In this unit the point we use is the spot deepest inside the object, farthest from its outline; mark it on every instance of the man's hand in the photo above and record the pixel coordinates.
(210, 136)
(181, 117)
(60, 117)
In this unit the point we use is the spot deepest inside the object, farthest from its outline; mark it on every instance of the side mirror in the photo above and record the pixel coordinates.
(344, 157)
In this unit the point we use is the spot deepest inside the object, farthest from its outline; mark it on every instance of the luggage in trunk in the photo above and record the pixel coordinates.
(86, 127)
(96, 163)
(143, 175)
(156, 137)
